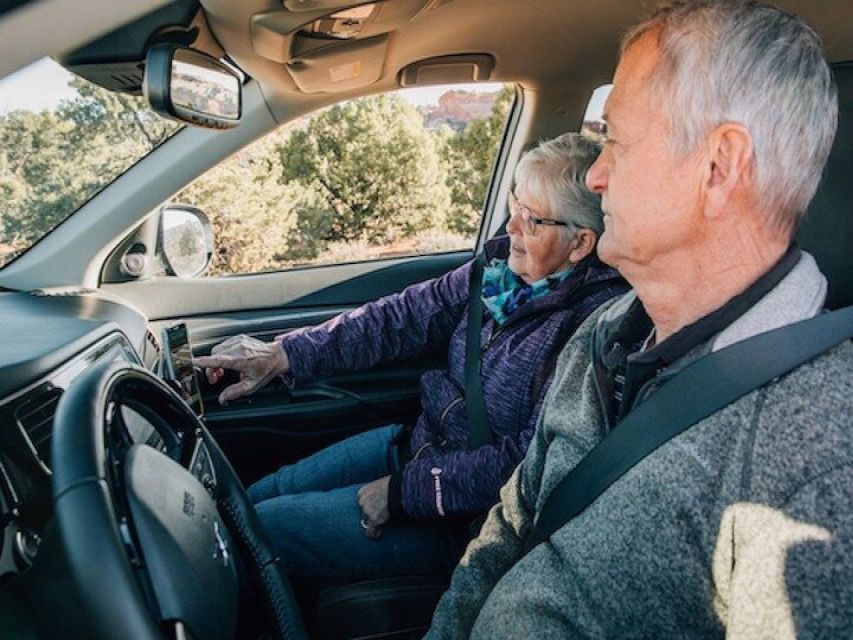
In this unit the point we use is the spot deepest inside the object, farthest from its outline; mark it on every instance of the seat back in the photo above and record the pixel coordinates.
(827, 230)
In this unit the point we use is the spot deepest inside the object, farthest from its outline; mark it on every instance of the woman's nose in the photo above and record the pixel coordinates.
(513, 225)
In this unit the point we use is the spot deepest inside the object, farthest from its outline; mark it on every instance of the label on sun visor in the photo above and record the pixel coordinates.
(344, 72)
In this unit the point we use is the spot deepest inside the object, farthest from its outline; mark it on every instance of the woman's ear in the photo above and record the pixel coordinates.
(582, 244)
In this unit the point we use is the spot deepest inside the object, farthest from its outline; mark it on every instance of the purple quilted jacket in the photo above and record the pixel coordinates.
(445, 477)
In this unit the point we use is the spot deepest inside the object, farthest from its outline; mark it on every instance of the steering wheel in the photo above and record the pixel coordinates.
(150, 513)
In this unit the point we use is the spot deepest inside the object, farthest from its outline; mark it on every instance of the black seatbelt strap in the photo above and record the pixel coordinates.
(478, 422)
(701, 389)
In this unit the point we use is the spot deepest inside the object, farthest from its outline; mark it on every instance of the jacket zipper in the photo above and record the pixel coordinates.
(597, 380)
(492, 337)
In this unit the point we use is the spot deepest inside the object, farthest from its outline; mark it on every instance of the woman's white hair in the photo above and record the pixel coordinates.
(741, 61)
(553, 173)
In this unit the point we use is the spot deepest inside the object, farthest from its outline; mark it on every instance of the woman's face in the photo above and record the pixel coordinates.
(532, 257)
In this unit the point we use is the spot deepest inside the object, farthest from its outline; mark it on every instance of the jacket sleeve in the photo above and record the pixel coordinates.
(421, 317)
(495, 549)
(790, 573)
(465, 481)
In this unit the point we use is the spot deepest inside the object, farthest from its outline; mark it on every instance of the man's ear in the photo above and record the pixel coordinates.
(583, 243)
(730, 166)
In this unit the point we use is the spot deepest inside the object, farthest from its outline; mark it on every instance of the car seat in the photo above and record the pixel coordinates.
(827, 230)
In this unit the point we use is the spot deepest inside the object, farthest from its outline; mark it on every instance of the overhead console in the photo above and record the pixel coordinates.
(331, 46)
(326, 46)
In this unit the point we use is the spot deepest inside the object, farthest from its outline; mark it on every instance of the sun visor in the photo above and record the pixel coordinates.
(340, 67)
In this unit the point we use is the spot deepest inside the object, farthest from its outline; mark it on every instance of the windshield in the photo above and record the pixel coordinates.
(62, 140)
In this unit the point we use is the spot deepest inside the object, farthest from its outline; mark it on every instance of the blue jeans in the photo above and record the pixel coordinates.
(310, 510)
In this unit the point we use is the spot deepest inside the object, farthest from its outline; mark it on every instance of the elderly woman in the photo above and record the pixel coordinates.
(326, 513)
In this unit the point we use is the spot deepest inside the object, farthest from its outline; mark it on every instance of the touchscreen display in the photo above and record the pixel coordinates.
(179, 365)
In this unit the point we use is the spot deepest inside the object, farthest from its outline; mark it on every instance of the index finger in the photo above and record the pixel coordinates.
(214, 362)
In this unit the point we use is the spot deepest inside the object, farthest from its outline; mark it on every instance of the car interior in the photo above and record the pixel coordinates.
(81, 343)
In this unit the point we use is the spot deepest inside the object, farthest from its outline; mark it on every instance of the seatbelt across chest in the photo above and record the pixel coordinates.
(700, 390)
(478, 421)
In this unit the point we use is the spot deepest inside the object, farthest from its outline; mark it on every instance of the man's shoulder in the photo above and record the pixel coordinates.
(804, 422)
(819, 389)
(824, 382)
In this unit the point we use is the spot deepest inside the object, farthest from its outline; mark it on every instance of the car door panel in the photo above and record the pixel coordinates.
(278, 425)
(169, 298)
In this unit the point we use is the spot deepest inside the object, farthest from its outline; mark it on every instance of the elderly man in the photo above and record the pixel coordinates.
(720, 121)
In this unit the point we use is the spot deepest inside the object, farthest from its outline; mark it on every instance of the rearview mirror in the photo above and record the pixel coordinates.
(192, 87)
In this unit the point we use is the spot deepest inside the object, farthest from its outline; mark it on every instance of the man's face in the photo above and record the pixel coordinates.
(650, 198)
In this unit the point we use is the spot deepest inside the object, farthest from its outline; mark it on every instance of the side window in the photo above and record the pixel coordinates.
(397, 174)
(593, 121)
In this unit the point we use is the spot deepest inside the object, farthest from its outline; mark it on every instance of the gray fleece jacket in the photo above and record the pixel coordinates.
(740, 527)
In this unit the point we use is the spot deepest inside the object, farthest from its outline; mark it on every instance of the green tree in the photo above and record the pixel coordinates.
(469, 157)
(53, 161)
(251, 210)
(116, 118)
(377, 171)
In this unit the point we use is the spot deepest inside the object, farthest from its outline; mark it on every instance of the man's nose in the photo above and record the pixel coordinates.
(596, 177)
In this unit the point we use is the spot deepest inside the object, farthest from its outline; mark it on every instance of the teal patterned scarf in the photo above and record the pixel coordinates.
(504, 292)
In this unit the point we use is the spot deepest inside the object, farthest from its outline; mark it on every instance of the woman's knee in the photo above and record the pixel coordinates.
(263, 489)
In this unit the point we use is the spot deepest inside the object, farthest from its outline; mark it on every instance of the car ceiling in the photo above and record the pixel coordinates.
(36, 28)
(532, 43)
(543, 45)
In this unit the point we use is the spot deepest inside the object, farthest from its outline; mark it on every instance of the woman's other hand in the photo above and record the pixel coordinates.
(257, 363)
(373, 500)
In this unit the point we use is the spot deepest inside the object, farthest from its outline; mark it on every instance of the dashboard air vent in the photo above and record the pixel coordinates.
(151, 350)
(152, 342)
(35, 418)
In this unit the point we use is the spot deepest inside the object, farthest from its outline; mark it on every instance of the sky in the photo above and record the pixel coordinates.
(595, 108)
(39, 86)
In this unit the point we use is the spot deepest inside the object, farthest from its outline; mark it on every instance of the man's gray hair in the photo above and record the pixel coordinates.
(554, 174)
(741, 61)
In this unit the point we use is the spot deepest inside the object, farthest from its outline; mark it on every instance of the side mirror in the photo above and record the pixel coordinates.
(192, 87)
(185, 240)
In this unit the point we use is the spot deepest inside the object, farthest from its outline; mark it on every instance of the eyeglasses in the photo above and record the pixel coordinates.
(530, 221)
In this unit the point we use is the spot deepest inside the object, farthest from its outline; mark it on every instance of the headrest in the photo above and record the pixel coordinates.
(827, 230)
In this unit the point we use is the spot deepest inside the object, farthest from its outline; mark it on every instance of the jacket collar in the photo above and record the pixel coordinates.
(799, 295)
(588, 272)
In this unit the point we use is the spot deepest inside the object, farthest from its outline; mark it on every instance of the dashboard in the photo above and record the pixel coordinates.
(48, 339)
